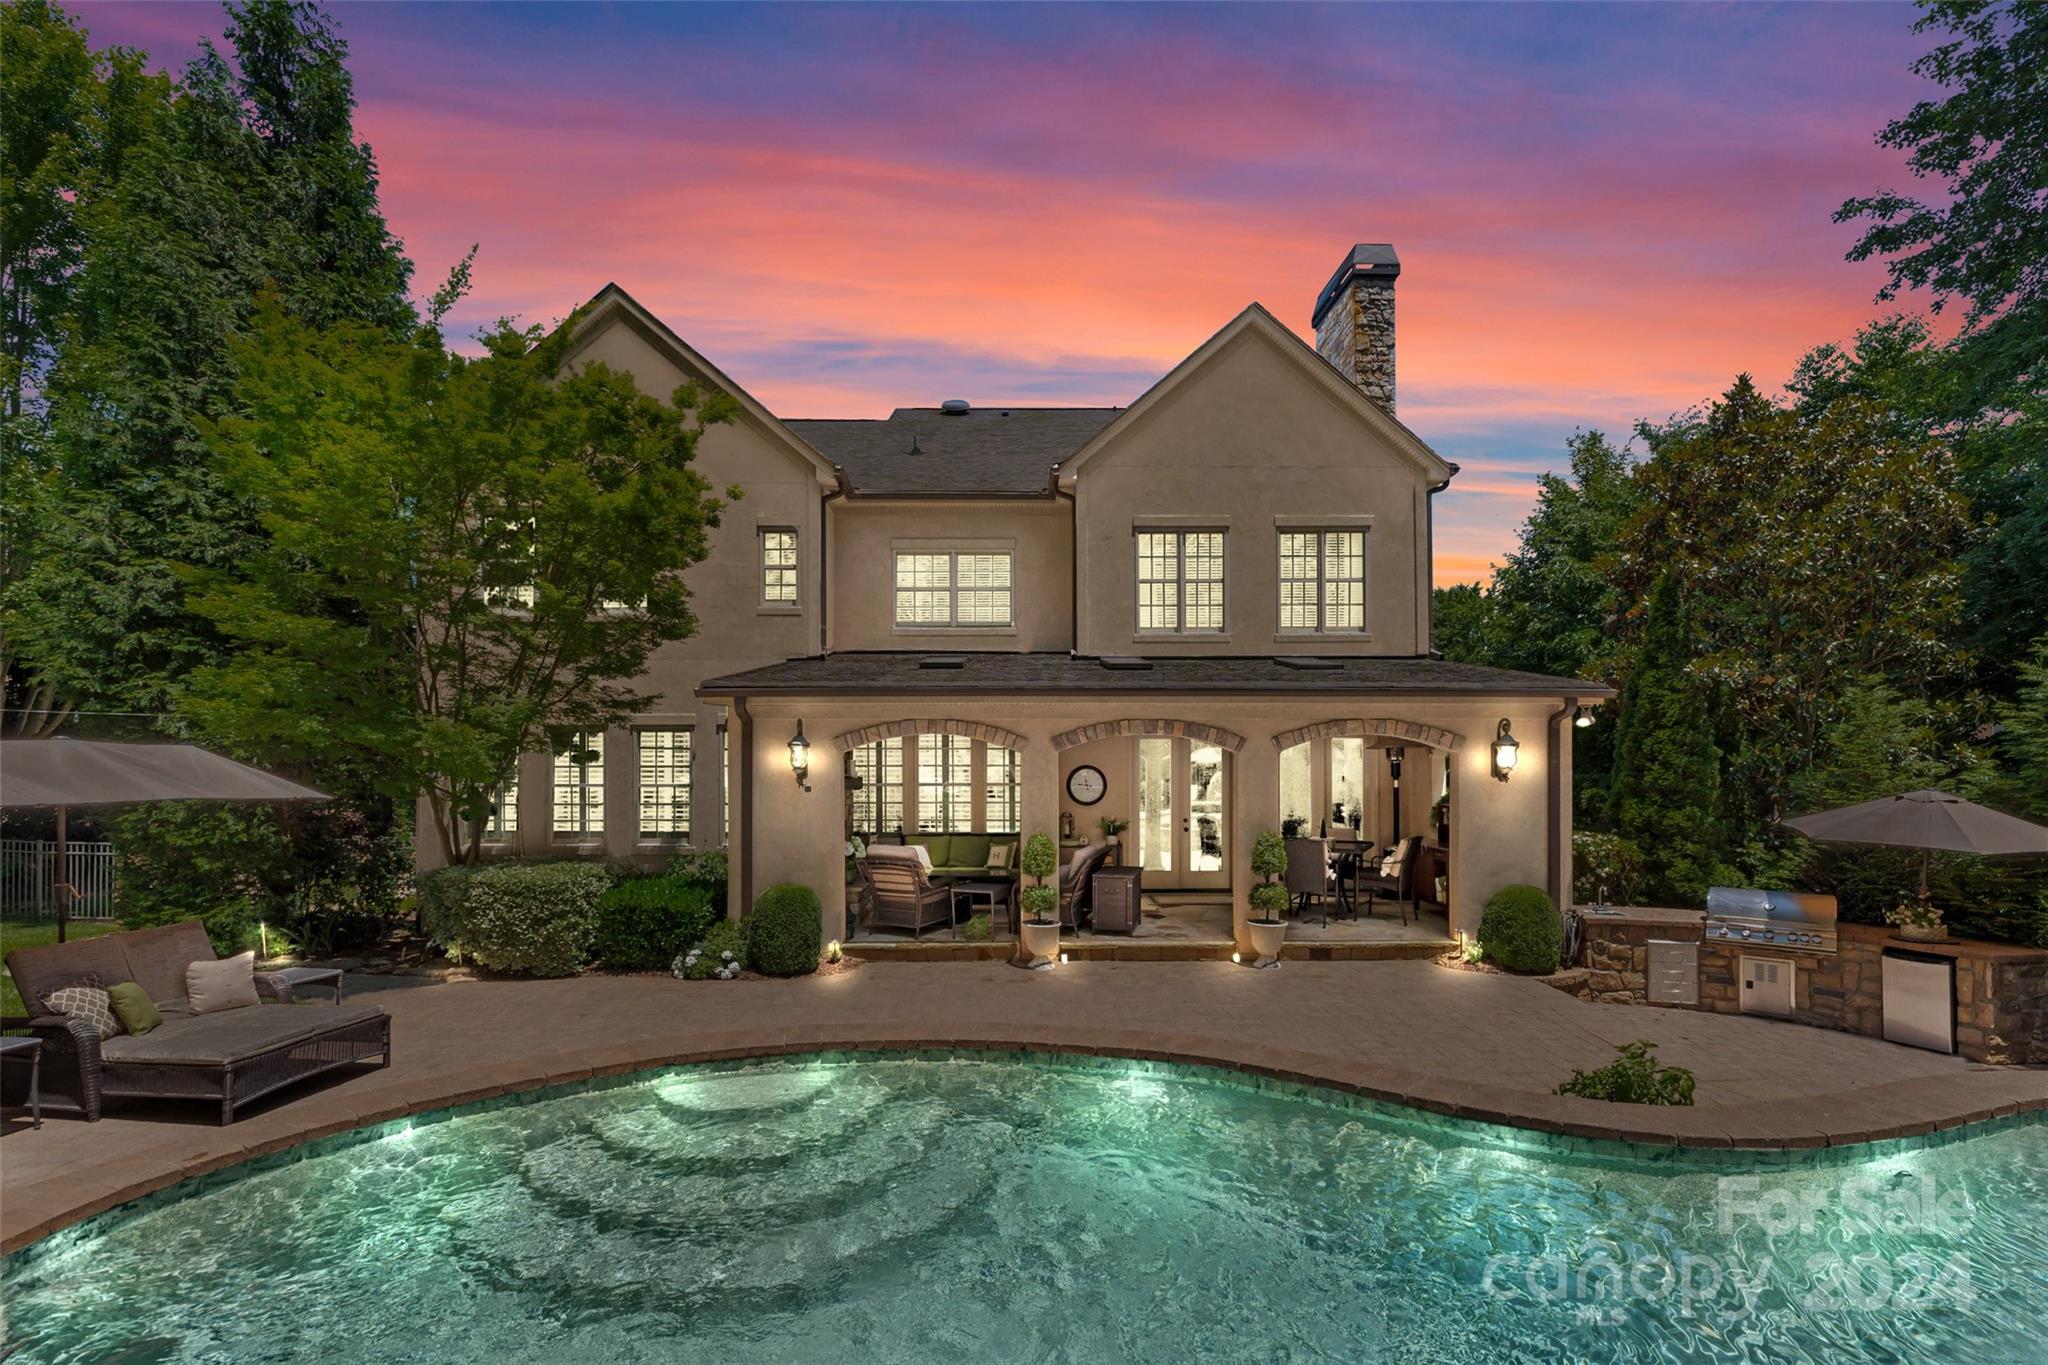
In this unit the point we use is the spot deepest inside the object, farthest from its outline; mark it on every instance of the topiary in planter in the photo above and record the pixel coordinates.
(1269, 861)
(782, 933)
(1520, 930)
(1038, 862)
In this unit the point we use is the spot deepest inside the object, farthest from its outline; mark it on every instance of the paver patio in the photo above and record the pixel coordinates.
(1479, 1046)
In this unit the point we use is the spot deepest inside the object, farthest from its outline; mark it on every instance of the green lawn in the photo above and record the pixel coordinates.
(34, 933)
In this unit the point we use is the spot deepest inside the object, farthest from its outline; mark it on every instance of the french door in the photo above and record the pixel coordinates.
(1182, 829)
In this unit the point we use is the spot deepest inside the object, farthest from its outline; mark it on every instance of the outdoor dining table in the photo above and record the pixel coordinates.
(1345, 859)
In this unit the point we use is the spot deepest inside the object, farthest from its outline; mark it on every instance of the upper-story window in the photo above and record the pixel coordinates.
(1322, 580)
(778, 566)
(1180, 581)
(953, 589)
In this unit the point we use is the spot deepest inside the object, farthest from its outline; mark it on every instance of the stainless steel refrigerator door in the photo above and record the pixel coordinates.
(1920, 1000)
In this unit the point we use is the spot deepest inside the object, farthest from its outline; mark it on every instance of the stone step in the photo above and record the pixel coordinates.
(682, 1142)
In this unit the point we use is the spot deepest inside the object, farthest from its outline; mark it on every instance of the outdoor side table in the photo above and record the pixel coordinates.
(32, 1048)
(311, 976)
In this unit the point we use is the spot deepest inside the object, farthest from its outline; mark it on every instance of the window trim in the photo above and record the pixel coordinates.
(763, 603)
(687, 838)
(1180, 531)
(952, 550)
(1321, 529)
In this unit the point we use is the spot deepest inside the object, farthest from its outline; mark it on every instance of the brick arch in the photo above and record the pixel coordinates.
(1174, 729)
(1379, 726)
(893, 729)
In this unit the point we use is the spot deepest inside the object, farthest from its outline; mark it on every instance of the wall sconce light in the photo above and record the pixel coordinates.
(1507, 751)
(1583, 718)
(800, 756)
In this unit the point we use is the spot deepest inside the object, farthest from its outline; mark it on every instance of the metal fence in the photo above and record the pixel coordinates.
(28, 869)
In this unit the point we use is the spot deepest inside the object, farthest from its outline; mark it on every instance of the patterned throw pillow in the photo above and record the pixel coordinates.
(88, 1003)
(999, 856)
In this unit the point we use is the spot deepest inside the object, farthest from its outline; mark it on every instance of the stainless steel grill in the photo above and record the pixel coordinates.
(1774, 919)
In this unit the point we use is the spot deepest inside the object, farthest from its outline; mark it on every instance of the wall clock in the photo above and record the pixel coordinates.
(1086, 784)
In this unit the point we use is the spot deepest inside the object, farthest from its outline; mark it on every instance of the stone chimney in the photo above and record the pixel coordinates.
(1354, 320)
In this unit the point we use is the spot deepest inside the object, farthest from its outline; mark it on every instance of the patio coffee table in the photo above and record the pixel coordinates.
(993, 892)
(32, 1048)
(312, 976)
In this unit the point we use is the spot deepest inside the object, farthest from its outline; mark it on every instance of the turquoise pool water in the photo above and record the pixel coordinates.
(905, 1209)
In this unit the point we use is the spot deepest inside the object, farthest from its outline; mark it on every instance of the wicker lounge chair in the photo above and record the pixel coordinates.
(1077, 883)
(228, 1056)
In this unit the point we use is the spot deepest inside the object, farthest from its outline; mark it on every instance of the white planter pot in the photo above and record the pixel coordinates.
(1041, 943)
(1266, 936)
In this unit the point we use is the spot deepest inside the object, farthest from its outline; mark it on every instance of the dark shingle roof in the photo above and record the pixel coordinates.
(986, 450)
(904, 672)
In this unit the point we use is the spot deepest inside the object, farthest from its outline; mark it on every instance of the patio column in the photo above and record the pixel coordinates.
(1255, 807)
(1038, 785)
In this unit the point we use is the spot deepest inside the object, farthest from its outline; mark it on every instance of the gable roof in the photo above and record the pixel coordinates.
(994, 451)
(1256, 322)
(612, 301)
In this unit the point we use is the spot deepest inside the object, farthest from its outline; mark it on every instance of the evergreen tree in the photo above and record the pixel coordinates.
(1667, 769)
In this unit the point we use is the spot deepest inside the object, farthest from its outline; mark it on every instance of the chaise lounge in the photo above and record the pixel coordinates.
(230, 1056)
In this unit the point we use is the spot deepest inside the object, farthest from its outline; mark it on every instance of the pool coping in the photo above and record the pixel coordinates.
(1921, 1108)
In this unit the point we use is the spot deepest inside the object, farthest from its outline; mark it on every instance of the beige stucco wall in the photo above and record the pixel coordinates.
(865, 535)
(1244, 443)
(1499, 829)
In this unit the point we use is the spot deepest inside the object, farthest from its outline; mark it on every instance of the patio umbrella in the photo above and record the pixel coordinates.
(1926, 820)
(87, 772)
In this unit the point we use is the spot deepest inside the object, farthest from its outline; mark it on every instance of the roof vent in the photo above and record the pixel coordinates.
(943, 661)
(1125, 663)
(1307, 663)
(955, 407)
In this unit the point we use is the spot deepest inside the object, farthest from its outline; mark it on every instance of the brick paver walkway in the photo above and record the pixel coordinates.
(1481, 1046)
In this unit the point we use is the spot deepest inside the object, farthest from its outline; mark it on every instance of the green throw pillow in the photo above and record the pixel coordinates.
(131, 1004)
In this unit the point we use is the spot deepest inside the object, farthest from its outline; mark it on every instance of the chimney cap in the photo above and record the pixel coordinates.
(1376, 259)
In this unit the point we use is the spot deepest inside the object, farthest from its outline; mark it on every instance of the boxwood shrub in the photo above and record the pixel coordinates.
(539, 918)
(645, 922)
(1521, 931)
(782, 933)
(441, 894)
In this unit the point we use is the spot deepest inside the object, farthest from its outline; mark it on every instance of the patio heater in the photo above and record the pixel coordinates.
(1394, 757)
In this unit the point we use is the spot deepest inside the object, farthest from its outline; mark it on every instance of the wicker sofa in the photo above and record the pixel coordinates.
(966, 855)
(227, 1056)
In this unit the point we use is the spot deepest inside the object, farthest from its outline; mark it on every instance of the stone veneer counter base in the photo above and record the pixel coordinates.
(1476, 1046)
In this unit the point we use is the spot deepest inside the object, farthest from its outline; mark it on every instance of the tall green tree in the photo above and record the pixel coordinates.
(1982, 242)
(1667, 769)
(460, 560)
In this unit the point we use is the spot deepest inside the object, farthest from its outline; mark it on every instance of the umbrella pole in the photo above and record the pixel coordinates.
(1923, 878)
(61, 886)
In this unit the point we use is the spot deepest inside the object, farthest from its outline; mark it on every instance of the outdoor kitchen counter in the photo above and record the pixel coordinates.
(1655, 915)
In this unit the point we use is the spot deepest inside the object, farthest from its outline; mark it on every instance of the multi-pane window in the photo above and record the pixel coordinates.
(1002, 809)
(945, 784)
(579, 785)
(967, 589)
(503, 823)
(1322, 580)
(778, 566)
(664, 784)
(1180, 580)
(878, 804)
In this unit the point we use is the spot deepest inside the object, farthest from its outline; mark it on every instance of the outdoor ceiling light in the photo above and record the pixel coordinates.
(1583, 718)
(1507, 751)
(800, 756)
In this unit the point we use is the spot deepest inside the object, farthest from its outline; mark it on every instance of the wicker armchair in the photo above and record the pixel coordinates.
(901, 895)
(227, 1056)
(1077, 880)
(1309, 875)
(1399, 884)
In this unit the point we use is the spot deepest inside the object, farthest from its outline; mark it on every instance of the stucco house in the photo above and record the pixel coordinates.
(1215, 601)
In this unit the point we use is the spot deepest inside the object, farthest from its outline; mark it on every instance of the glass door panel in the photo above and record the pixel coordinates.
(1206, 852)
(1155, 819)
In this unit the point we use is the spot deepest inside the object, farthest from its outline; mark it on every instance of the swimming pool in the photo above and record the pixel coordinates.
(956, 1208)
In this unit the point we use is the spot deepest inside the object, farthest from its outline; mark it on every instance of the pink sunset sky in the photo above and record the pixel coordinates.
(1603, 213)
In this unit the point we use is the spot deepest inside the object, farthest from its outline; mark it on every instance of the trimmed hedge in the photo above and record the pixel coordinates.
(1520, 930)
(643, 924)
(782, 933)
(539, 918)
(441, 894)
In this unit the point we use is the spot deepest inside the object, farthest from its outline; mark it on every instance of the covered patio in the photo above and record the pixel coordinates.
(1199, 755)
